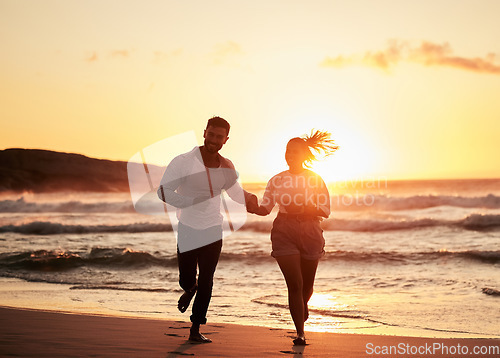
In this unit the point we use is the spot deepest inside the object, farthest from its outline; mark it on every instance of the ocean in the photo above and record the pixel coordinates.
(402, 257)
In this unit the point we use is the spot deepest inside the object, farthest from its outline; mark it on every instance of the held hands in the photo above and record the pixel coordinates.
(252, 204)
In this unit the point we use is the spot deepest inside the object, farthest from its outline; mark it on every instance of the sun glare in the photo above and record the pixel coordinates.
(320, 301)
(356, 157)
(353, 160)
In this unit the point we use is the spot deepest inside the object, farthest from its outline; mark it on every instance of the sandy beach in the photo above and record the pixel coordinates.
(342, 151)
(34, 333)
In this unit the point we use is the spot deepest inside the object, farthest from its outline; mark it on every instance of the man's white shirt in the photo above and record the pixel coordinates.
(187, 178)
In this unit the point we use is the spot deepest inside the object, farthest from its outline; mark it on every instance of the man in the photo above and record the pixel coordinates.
(193, 183)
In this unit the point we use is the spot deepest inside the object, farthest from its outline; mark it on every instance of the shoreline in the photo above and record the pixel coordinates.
(27, 333)
(60, 298)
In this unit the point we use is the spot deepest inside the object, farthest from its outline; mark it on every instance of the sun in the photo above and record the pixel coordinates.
(353, 160)
(356, 158)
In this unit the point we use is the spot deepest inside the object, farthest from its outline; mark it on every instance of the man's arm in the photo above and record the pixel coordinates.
(233, 187)
(169, 196)
(171, 180)
(267, 204)
(250, 200)
(241, 196)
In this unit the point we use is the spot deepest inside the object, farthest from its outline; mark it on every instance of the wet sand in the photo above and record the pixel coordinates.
(34, 333)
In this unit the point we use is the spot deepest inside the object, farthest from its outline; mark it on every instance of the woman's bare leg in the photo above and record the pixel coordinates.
(308, 270)
(290, 266)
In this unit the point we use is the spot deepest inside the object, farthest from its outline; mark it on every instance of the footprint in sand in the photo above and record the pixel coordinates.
(181, 353)
(172, 334)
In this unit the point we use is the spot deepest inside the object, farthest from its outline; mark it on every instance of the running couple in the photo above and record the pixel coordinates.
(193, 183)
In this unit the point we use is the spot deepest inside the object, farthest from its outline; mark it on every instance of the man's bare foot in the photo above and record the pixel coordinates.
(199, 338)
(185, 299)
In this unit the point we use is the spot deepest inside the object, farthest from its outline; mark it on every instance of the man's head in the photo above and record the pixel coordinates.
(219, 122)
(216, 134)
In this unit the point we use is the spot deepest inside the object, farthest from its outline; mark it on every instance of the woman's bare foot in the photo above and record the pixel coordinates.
(300, 341)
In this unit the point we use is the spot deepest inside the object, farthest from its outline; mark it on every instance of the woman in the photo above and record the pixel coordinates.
(296, 236)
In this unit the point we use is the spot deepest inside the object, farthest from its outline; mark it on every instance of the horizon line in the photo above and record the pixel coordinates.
(368, 178)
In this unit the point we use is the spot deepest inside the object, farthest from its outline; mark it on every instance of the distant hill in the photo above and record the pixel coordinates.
(48, 171)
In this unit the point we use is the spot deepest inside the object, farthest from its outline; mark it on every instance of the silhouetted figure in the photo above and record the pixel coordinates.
(193, 183)
(296, 236)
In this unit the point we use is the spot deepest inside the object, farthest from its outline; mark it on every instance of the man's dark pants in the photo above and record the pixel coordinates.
(204, 258)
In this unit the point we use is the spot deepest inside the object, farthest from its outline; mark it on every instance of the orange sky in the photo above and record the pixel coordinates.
(408, 89)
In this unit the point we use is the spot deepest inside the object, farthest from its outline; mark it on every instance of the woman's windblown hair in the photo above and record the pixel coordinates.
(318, 142)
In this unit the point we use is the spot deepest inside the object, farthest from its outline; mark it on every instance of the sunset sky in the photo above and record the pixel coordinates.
(409, 89)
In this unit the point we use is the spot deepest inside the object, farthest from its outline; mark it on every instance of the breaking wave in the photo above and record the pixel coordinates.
(395, 203)
(58, 260)
(476, 222)
(344, 202)
(50, 228)
(486, 257)
(125, 258)
(22, 206)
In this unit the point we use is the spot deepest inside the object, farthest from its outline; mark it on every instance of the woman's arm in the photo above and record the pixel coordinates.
(321, 206)
(258, 210)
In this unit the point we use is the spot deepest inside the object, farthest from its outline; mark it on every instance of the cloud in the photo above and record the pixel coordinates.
(161, 56)
(120, 53)
(385, 59)
(92, 57)
(430, 54)
(427, 54)
(226, 53)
